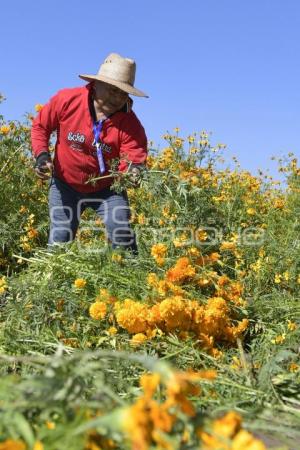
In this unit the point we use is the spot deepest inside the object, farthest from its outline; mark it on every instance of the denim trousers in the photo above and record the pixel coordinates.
(66, 206)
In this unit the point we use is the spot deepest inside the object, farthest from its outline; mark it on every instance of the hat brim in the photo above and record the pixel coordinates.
(123, 86)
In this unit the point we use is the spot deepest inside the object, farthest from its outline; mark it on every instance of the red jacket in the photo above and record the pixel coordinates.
(75, 159)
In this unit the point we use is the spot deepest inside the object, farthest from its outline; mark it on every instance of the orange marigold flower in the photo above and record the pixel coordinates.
(293, 367)
(213, 257)
(32, 233)
(104, 296)
(182, 270)
(175, 313)
(98, 310)
(223, 280)
(4, 129)
(50, 425)
(132, 316)
(154, 317)
(149, 383)
(11, 444)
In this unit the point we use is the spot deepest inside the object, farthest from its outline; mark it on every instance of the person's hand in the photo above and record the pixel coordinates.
(44, 171)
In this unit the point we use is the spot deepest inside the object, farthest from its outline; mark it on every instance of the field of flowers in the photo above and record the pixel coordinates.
(192, 344)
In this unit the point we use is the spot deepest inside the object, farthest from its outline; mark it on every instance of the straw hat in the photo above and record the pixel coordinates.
(119, 72)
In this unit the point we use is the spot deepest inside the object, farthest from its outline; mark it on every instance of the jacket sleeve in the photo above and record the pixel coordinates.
(44, 124)
(133, 142)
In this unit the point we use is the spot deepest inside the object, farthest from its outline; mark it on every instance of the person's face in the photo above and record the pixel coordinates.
(108, 98)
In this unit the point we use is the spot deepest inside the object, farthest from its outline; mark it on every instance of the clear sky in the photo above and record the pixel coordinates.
(230, 67)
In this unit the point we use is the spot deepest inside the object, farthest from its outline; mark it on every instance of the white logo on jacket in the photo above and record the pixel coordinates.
(76, 137)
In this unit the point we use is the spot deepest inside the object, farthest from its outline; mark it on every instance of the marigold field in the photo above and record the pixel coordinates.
(192, 344)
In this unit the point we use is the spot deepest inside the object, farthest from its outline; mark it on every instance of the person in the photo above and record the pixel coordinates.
(95, 124)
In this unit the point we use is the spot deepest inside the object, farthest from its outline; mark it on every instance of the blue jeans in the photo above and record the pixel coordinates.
(66, 206)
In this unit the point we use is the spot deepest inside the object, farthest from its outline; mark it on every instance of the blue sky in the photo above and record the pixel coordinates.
(230, 67)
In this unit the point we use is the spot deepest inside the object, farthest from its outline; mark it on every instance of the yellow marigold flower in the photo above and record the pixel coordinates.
(203, 282)
(226, 245)
(11, 444)
(178, 142)
(104, 293)
(138, 339)
(292, 326)
(279, 203)
(38, 107)
(228, 425)
(251, 211)
(159, 250)
(23, 209)
(180, 241)
(141, 219)
(293, 367)
(112, 331)
(98, 310)
(4, 129)
(278, 339)
(236, 365)
(194, 181)
(193, 251)
(246, 441)
(203, 142)
(115, 257)
(152, 279)
(3, 285)
(298, 279)
(286, 275)
(38, 446)
(50, 425)
(278, 278)
(160, 261)
(201, 235)
(80, 283)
